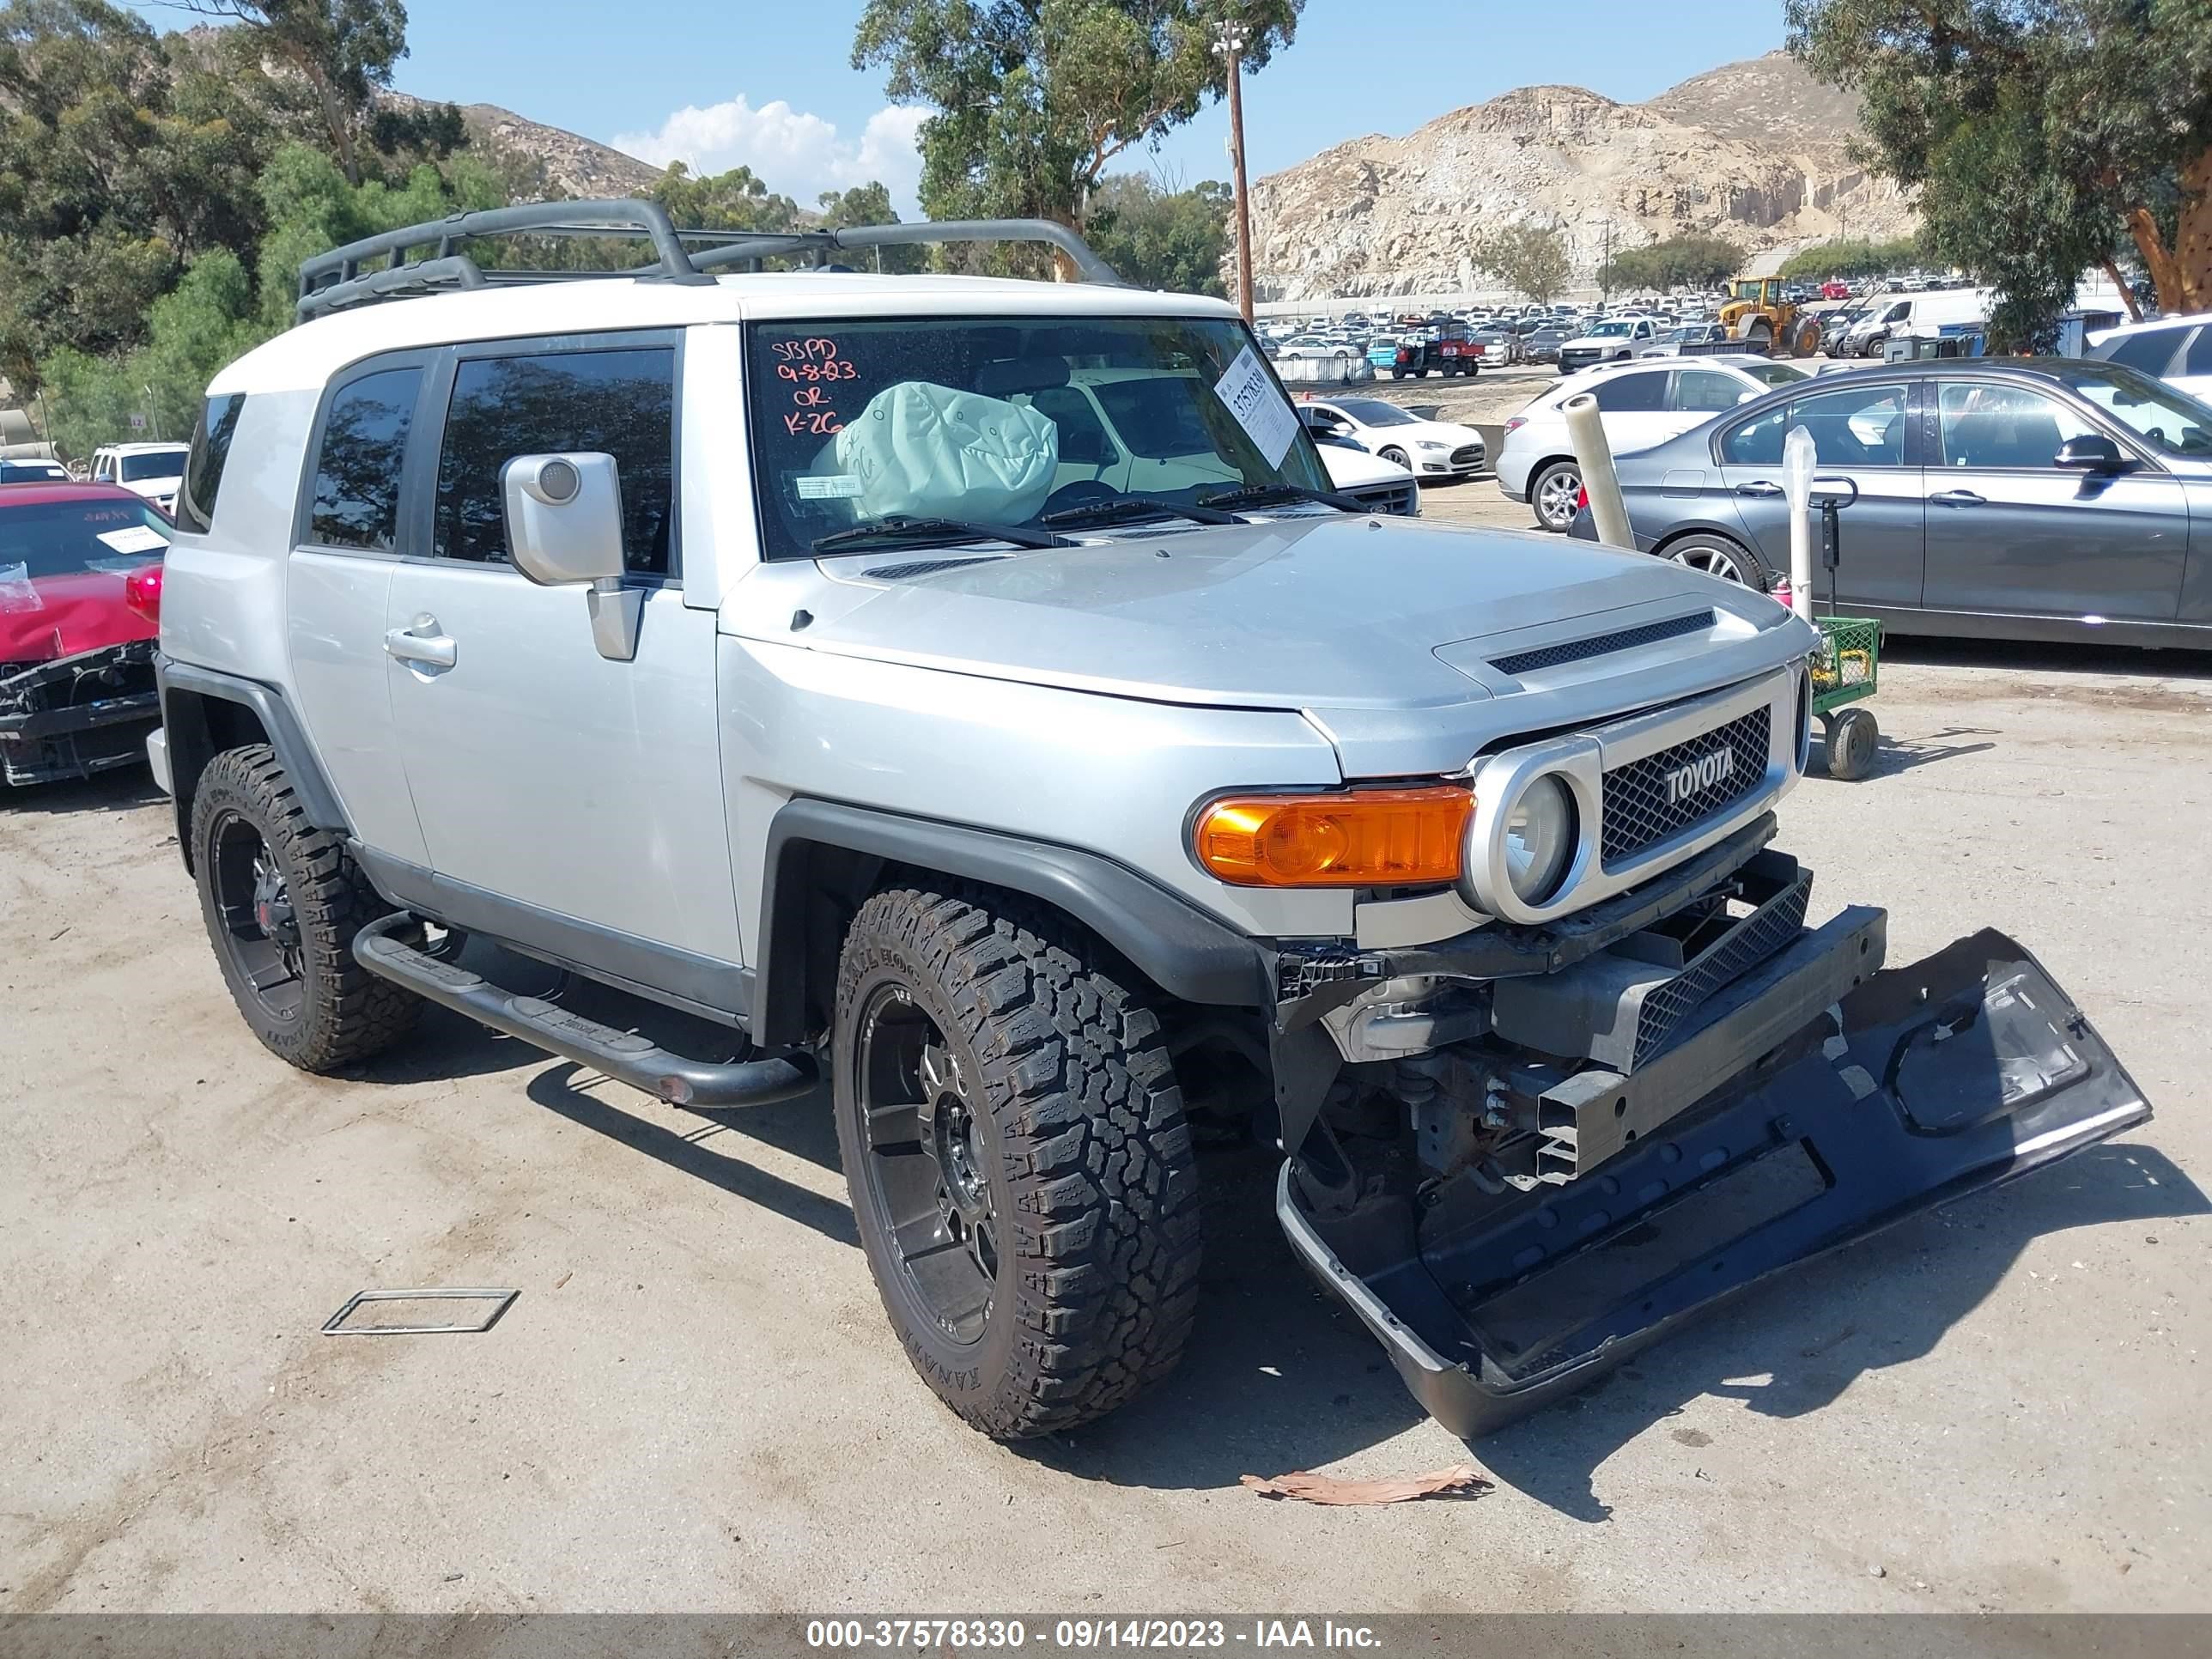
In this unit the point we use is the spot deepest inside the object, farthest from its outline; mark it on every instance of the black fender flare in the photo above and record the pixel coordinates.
(1187, 954)
(193, 739)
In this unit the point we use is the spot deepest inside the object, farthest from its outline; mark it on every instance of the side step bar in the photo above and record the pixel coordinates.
(624, 1055)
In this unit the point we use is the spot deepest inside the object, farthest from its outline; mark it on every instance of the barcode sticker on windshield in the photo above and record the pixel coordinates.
(138, 538)
(827, 486)
(1267, 420)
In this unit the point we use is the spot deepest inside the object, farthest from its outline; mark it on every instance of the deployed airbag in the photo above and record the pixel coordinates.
(929, 451)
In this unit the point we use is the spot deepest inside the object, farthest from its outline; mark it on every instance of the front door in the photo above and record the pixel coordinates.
(1862, 431)
(578, 799)
(2011, 533)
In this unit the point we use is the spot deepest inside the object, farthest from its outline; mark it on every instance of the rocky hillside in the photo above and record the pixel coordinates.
(547, 161)
(1755, 151)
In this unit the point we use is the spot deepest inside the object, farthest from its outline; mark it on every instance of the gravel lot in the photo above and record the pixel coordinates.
(695, 1403)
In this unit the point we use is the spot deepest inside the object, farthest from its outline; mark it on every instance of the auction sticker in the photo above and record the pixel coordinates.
(1267, 420)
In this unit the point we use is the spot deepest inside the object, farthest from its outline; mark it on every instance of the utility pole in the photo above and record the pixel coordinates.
(1231, 43)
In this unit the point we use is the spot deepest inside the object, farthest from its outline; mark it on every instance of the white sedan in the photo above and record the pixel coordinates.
(1428, 449)
(1644, 401)
(1311, 348)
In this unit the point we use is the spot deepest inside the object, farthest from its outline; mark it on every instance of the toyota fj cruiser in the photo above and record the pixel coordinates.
(801, 649)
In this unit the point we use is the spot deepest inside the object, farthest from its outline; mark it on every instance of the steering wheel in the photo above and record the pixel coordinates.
(1074, 494)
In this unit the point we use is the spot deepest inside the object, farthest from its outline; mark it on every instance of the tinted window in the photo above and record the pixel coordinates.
(2150, 351)
(67, 538)
(203, 468)
(2197, 359)
(356, 499)
(1854, 426)
(1633, 393)
(621, 404)
(1706, 392)
(156, 464)
(2004, 426)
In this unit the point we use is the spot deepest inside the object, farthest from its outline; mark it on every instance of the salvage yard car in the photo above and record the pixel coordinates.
(1430, 449)
(744, 645)
(79, 564)
(1994, 498)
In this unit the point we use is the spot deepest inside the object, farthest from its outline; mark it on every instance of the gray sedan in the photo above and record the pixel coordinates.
(2000, 498)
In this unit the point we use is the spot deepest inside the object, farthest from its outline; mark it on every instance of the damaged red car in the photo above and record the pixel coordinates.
(79, 591)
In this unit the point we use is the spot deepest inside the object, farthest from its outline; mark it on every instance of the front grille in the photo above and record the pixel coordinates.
(1401, 499)
(1643, 806)
(1599, 645)
(1758, 937)
(1467, 455)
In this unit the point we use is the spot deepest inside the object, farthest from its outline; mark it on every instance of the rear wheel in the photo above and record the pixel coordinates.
(282, 901)
(1022, 1177)
(1719, 556)
(1555, 493)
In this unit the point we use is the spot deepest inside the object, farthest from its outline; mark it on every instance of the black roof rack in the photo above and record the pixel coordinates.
(334, 281)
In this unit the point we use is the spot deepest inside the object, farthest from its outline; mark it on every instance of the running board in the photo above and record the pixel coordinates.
(1927, 1083)
(624, 1055)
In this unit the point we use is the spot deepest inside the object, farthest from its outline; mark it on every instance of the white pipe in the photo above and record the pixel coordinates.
(1586, 431)
(1799, 459)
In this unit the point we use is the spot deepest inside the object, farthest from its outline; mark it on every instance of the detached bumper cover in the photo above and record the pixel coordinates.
(1926, 1083)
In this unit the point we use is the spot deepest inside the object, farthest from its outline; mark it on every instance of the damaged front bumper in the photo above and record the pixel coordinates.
(1807, 1099)
(76, 715)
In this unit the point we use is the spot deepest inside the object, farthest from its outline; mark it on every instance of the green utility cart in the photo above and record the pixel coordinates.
(1845, 671)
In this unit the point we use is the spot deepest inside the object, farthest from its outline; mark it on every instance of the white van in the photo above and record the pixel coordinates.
(1909, 311)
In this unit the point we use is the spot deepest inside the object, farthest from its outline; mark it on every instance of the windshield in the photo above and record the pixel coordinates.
(1000, 420)
(1606, 330)
(161, 463)
(2169, 420)
(1373, 411)
(67, 538)
(1744, 290)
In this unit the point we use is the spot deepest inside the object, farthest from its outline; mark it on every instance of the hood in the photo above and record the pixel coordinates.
(51, 616)
(1329, 611)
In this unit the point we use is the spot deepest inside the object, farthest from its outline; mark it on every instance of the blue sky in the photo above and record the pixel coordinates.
(723, 82)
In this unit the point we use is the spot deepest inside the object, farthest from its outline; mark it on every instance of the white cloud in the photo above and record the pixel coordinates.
(791, 151)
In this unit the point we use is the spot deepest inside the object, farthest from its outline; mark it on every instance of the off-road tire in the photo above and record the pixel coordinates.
(1085, 1140)
(346, 1013)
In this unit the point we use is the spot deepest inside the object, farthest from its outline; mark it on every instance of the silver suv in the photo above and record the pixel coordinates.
(966, 698)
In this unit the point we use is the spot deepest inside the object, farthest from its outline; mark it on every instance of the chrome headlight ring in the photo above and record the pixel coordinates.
(1502, 785)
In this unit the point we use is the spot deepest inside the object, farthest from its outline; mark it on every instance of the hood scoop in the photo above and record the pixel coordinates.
(1599, 645)
(911, 568)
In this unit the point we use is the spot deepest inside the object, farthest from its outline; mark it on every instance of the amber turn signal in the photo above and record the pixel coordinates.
(1357, 838)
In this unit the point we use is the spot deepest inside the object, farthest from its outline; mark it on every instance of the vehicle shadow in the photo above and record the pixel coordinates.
(2130, 661)
(1792, 1348)
(125, 789)
(1279, 1377)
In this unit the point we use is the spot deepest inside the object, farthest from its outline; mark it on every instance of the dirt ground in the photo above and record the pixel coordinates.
(695, 1404)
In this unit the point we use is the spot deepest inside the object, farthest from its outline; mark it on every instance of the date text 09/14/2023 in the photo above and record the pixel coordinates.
(1164, 1634)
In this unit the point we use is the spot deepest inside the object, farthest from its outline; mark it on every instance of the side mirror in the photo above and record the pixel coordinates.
(564, 528)
(2091, 452)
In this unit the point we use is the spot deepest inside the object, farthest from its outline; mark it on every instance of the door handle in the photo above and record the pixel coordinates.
(1958, 498)
(1758, 487)
(420, 642)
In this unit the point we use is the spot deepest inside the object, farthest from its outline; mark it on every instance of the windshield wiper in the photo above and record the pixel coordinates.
(1275, 495)
(902, 531)
(1121, 509)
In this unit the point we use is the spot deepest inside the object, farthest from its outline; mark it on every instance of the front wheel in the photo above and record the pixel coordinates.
(1718, 556)
(282, 901)
(1395, 456)
(1557, 494)
(1022, 1177)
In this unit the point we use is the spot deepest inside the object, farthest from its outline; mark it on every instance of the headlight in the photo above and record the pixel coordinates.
(1429, 443)
(1539, 839)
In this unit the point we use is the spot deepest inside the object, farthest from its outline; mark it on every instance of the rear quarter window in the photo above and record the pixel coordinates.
(210, 452)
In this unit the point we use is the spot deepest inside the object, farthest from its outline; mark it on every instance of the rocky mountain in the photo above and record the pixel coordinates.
(1755, 151)
(543, 160)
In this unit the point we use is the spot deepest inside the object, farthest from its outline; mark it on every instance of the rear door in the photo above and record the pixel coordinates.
(2010, 533)
(1634, 406)
(1862, 431)
(1699, 394)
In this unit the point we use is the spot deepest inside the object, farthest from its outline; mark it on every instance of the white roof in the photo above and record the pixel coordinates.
(305, 357)
(169, 444)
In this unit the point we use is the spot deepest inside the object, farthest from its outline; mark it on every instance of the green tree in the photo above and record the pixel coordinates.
(1173, 241)
(2039, 133)
(1036, 99)
(1534, 259)
(1678, 262)
(870, 205)
(1851, 258)
(343, 51)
